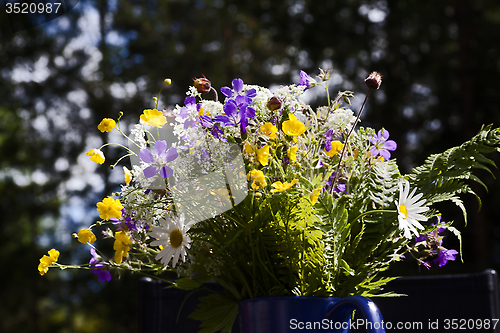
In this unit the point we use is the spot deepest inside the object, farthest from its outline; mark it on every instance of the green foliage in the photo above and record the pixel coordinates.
(443, 176)
(361, 226)
(216, 312)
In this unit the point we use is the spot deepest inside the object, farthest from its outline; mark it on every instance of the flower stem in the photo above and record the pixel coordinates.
(347, 139)
(374, 211)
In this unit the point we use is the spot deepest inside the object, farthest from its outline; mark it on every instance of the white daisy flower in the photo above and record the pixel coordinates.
(172, 236)
(409, 209)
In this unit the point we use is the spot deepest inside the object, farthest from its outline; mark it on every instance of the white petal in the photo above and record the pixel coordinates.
(176, 257)
(412, 193)
(414, 199)
(407, 232)
(418, 217)
(159, 242)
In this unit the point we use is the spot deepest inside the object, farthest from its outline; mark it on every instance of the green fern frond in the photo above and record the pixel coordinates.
(442, 177)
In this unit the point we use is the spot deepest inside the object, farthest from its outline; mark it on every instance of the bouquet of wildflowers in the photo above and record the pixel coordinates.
(268, 197)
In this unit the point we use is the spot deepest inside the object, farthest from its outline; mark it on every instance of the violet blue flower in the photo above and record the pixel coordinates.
(306, 81)
(238, 88)
(328, 184)
(127, 221)
(382, 146)
(328, 140)
(421, 238)
(214, 128)
(339, 188)
(159, 160)
(445, 256)
(237, 112)
(97, 268)
(189, 105)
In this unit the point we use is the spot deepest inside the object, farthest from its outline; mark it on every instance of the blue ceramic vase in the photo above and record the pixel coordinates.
(309, 314)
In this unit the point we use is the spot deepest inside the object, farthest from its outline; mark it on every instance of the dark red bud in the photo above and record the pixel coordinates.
(374, 80)
(203, 85)
(274, 104)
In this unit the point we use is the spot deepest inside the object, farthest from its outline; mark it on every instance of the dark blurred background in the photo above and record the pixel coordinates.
(440, 62)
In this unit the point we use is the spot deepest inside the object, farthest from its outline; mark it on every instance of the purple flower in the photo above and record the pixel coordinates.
(237, 107)
(306, 81)
(445, 256)
(189, 107)
(127, 221)
(97, 268)
(328, 184)
(238, 88)
(382, 146)
(237, 112)
(215, 130)
(421, 238)
(328, 140)
(159, 160)
(339, 188)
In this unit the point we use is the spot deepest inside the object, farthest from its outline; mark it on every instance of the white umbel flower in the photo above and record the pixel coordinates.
(172, 235)
(409, 209)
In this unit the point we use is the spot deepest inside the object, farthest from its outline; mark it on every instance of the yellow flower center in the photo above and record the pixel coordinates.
(176, 238)
(404, 210)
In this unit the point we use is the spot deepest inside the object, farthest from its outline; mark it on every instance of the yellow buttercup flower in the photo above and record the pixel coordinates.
(248, 148)
(86, 236)
(121, 246)
(258, 179)
(281, 187)
(153, 118)
(263, 155)
(109, 208)
(293, 127)
(106, 125)
(315, 195)
(268, 129)
(336, 147)
(127, 174)
(46, 261)
(96, 155)
(292, 153)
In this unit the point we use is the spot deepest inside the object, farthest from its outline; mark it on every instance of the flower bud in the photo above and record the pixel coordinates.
(274, 104)
(374, 80)
(203, 85)
(168, 82)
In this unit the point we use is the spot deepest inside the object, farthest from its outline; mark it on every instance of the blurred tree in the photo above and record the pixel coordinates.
(43, 131)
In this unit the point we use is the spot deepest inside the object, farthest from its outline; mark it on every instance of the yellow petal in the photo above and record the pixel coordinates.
(336, 147)
(153, 118)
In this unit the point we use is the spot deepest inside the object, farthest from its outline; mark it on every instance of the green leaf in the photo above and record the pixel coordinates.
(345, 267)
(216, 312)
(188, 283)
(457, 233)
